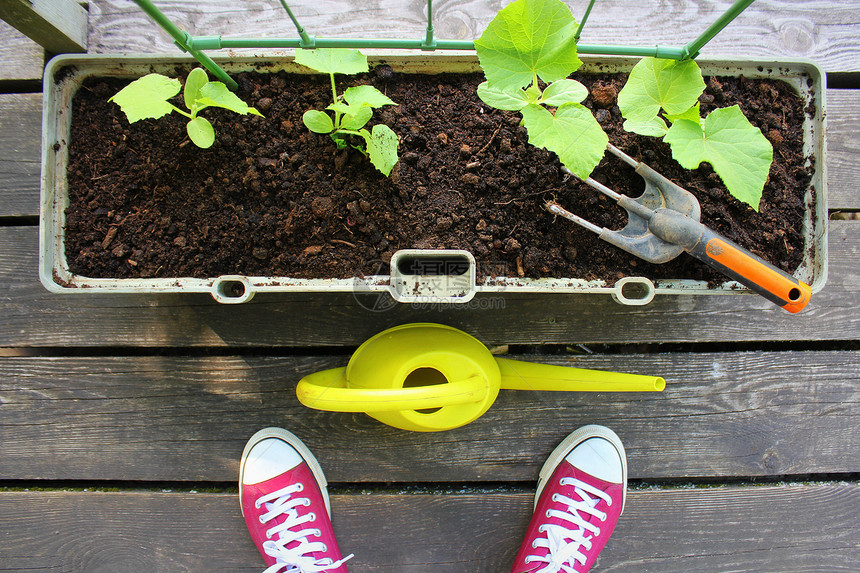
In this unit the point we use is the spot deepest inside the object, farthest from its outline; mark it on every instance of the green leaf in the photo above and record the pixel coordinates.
(659, 83)
(357, 119)
(341, 107)
(693, 114)
(737, 150)
(216, 94)
(563, 91)
(654, 127)
(354, 116)
(147, 97)
(366, 96)
(332, 60)
(195, 80)
(201, 132)
(382, 147)
(318, 121)
(528, 37)
(512, 100)
(572, 133)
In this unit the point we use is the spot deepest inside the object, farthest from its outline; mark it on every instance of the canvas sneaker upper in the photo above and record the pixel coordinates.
(580, 496)
(283, 496)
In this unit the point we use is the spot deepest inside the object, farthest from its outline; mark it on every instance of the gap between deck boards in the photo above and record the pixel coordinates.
(524, 351)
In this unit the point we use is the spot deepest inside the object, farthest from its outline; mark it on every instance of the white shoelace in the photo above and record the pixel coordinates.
(297, 559)
(565, 544)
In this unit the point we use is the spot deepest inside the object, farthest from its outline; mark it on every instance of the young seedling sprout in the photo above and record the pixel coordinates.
(148, 97)
(531, 40)
(351, 111)
(658, 90)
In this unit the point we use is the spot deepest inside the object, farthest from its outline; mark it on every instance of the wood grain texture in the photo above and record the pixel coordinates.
(58, 25)
(843, 150)
(20, 153)
(35, 317)
(186, 419)
(820, 30)
(22, 58)
(741, 529)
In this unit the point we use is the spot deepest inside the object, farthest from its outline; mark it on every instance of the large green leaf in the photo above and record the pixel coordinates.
(528, 37)
(512, 100)
(365, 95)
(572, 133)
(332, 60)
(216, 94)
(382, 147)
(737, 150)
(147, 97)
(201, 132)
(195, 80)
(656, 83)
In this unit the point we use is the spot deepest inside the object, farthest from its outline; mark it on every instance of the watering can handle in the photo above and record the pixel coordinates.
(326, 390)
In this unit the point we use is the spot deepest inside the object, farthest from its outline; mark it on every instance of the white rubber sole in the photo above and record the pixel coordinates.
(300, 447)
(574, 439)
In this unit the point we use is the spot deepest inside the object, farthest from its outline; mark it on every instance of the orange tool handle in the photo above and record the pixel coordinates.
(733, 260)
(772, 283)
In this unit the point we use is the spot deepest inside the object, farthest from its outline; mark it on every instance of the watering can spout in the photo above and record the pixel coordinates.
(518, 375)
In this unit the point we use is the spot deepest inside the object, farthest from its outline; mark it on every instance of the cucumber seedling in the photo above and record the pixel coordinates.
(147, 97)
(659, 90)
(531, 40)
(350, 112)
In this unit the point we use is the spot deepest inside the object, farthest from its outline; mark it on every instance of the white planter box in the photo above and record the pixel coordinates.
(451, 276)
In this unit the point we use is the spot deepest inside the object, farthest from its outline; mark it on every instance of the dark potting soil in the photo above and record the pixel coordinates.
(272, 199)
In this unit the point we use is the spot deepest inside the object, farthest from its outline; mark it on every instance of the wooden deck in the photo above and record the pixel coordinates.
(122, 417)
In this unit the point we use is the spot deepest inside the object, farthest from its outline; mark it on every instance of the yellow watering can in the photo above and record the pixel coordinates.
(430, 377)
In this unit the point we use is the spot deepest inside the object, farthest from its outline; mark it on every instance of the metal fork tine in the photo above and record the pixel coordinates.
(557, 209)
(623, 156)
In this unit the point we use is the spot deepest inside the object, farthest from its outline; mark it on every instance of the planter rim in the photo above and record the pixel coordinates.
(56, 277)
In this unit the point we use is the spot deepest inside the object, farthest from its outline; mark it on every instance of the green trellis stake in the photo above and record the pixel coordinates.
(195, 45)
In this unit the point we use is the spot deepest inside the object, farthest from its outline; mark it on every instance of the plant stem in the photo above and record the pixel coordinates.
(363, 134)
(185, 113)
(334, 100)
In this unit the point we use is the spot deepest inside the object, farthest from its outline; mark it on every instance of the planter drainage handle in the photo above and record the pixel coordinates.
(430, 377)
(633, 291)
(232, 289)
(432, 276)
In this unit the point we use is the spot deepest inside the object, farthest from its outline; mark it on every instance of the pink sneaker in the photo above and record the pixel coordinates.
(580, 496)
(283, 496)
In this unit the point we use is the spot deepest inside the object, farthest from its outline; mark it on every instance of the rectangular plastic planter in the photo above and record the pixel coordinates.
(417, 275)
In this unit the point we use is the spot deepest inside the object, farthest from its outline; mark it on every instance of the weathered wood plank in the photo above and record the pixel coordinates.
(22, 58)
(185, 419)
(820, 30)
(20, 153)
(740, 529)
(60, 26)
(34, 317)
(843, 149)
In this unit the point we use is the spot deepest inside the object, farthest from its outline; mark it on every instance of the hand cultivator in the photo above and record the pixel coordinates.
(664, 222)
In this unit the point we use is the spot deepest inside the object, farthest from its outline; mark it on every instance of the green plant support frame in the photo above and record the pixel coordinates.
(195, 45)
